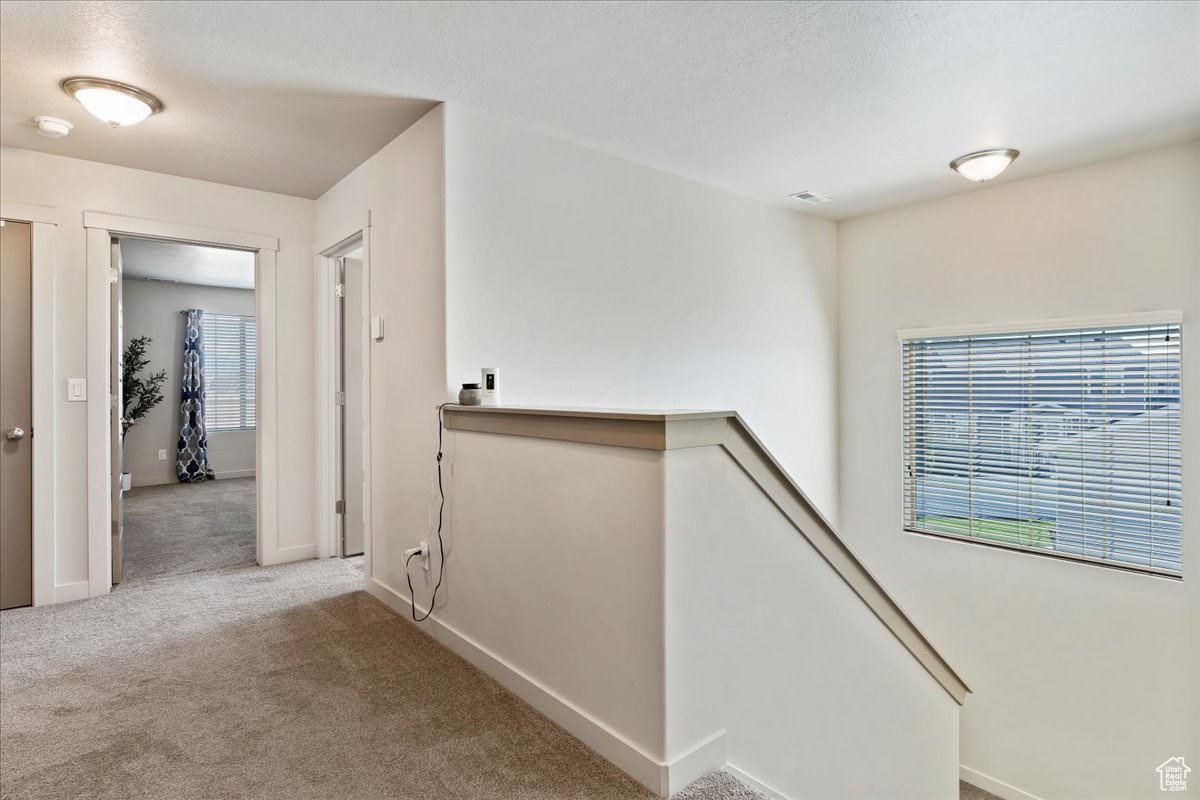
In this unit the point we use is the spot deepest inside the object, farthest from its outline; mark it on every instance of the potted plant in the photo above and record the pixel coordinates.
(139, 394)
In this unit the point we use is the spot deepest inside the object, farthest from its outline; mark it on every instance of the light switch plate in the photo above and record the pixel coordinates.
(76, 389)
(377, 328)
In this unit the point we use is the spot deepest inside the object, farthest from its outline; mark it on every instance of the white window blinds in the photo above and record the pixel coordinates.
(230, 358)
(1066, 442)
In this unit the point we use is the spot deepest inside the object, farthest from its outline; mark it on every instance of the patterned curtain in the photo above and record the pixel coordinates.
(191, 464)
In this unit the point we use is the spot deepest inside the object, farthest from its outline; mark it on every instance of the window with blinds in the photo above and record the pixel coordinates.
(230, 359)
(1064, 442)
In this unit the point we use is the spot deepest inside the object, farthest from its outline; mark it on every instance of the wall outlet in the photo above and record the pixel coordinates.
(162, 455)
(425, 556)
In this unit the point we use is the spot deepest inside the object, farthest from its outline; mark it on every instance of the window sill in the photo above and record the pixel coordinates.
(1137, 569)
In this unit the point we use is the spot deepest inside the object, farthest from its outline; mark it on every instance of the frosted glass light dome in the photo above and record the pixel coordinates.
(118, 104)
(984, 164)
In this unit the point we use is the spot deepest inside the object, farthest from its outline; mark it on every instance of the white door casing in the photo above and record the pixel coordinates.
(100, 228)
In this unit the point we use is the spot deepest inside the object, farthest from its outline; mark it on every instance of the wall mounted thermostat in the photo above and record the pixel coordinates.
(377, 328)
(489, 391)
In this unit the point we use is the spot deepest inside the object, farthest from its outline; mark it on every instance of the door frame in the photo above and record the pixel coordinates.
(327, 428)
(43, 223)
(100, 228)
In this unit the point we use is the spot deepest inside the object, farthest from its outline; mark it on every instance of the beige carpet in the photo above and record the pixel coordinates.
(186, 527)
(261, 683)
(279, 682)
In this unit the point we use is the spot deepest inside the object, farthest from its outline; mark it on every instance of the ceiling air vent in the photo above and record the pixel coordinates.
(810, 197)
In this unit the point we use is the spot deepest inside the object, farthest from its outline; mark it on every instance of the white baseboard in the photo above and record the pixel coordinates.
(234, 473)
(755, 783)
(154, 481)
(703, 757)
(166, 480)
(283, 555)
(990, 784)
(657, 776)
(66, 592)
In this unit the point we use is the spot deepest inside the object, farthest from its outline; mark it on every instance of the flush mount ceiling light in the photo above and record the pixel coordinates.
(118, 104)
(985, 164)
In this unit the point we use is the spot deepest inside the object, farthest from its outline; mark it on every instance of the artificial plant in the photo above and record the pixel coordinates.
(138, 394)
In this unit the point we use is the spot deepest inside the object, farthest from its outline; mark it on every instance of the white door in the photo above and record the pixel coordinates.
(351, 333)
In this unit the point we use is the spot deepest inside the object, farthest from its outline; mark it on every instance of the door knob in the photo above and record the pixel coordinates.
(12, 434)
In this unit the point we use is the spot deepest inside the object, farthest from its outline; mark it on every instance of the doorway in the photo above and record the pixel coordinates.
(101, 272)
(184, 420)
(16, 415)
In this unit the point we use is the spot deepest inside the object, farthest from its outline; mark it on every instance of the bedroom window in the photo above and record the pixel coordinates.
(230, 358)
(1063, 441)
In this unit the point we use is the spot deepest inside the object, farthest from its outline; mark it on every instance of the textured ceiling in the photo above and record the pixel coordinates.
(151, 259)
(864, 101)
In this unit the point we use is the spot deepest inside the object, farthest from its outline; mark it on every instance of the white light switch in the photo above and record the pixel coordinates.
(76, 389)
(377, 328)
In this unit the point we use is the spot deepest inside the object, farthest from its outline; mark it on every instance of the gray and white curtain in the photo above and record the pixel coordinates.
(191, 463)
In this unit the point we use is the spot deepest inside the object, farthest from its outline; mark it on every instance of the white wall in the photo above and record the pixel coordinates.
(768, 643)
(400, 187)
(75, 186)
(151, 308)
(588, 280)
(1085, 678)
(555, 566)
(648, 601)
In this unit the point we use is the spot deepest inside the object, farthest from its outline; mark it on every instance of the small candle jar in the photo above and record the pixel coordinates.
(469, 395)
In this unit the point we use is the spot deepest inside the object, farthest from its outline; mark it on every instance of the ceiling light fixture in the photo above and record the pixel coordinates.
(984, 164)
(118, 104)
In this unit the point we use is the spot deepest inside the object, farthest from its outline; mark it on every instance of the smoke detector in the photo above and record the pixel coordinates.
(811, 197)
(53, 127)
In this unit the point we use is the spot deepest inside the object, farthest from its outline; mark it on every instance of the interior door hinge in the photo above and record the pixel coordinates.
(113, 275)
(339, 507)
(339, 398)
(339, 290)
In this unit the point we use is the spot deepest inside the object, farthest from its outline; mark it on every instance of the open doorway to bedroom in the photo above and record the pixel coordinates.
(185, 355)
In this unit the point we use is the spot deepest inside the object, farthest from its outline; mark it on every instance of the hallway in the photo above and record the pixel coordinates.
(279, 682)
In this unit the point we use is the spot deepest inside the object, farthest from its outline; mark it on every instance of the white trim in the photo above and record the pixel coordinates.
(282, 555)
(42, 343)
(66, 592)
(655, 775)
(990, 784)
(755, 783)
(177, 232)
(99, 463)
(234, 473)
(366, 394)
(155, 481)
(1039, 325)
(326, 527)
(24, 212)
(700, 759)
(266, 442)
